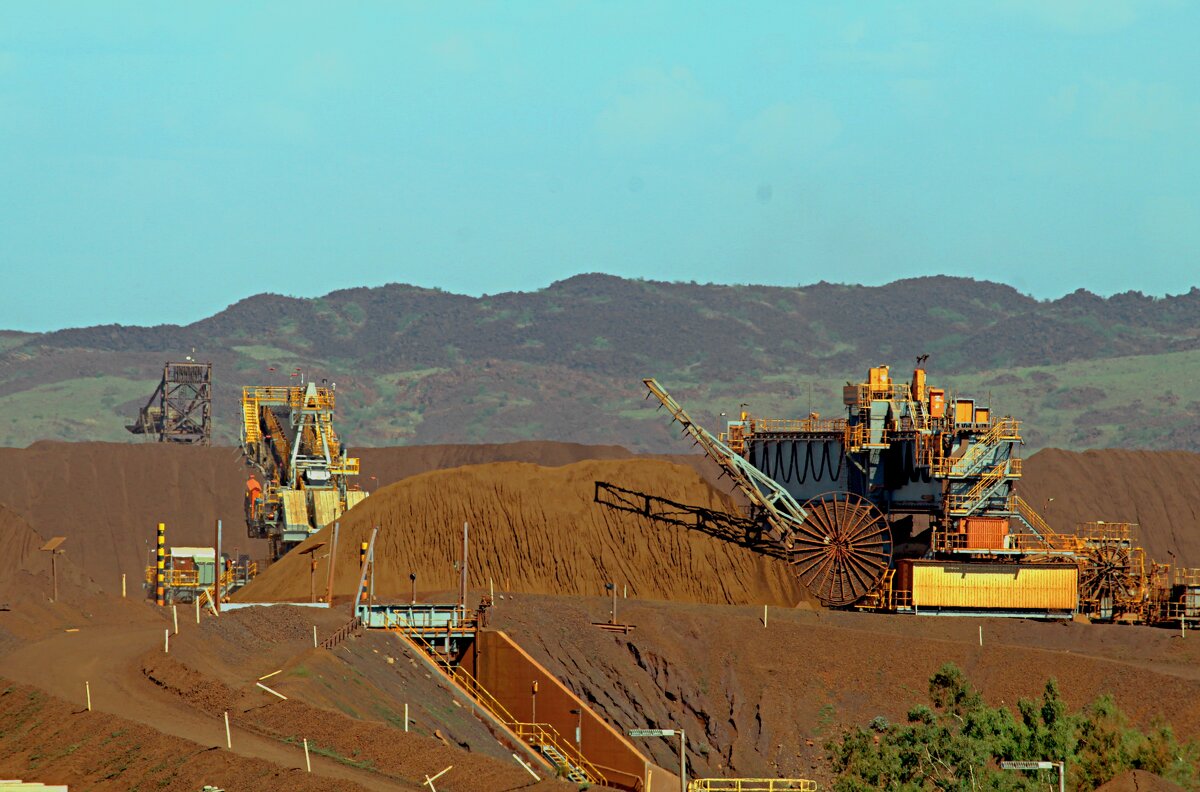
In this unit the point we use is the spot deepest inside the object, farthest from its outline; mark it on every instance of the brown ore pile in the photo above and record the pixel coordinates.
(537, 530)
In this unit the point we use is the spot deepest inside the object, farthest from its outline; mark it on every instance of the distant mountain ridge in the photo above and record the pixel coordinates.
(565, 362)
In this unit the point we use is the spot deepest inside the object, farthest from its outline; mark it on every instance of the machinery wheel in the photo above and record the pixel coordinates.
(843, 549)
(1107, 578)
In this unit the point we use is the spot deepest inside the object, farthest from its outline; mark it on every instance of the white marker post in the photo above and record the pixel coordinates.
(307, 763)
(314, 636)
(197, 601)
(228, 736)
(122, 585)
(764, 617)
(981, 635)
(87, 688)
(528, 769)
(429, 780)
(175, 616)
(166, 641)
(406, 717)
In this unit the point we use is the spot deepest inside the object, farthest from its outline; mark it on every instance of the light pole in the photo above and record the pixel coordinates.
(578, 730)
(533, 703)
(682, 749)
(612, 616)
(1062, 783)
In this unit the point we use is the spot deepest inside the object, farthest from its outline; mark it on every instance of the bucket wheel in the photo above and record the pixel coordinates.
(843, 549)
(1108, 580)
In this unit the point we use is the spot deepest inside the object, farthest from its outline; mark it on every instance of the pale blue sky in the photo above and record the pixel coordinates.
(485, 147)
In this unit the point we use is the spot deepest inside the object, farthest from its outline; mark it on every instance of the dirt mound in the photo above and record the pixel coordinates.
(107, 498)
(49, 740)
(761, 702)
(537, 529)
(1139, 781)
(25, 571)
(1159, 490)
(389, 465)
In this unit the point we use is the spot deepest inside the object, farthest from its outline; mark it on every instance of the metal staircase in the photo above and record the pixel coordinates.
(542, 737)
(250, 430)
(978, 496)
(570, 771)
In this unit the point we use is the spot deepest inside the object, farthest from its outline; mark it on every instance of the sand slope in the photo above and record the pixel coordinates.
(536, 529)
(108, 498)
(1159, 490)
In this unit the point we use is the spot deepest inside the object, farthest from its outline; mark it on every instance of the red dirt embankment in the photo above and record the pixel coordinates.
(48, 740)
(537, 529)
(108, 498)
(762, 702)
(1159, 490)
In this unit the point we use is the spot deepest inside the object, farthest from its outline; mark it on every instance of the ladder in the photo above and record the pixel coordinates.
(250, 420)
(556, 758)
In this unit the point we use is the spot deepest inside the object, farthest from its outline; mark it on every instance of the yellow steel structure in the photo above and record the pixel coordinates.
(541, 736)
(752, 785)
(288, 435)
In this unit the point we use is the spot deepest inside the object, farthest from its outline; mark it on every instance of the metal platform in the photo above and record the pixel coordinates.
(427, 620)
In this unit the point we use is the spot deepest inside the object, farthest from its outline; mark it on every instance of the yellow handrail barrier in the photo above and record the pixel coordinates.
(752, 785)
(536, 733)
(1005, 429)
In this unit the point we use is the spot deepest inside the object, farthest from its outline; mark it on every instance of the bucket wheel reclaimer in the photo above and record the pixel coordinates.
(843, 548)
(839, 543)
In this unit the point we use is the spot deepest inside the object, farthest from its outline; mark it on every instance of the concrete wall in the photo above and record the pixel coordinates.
(508, 673)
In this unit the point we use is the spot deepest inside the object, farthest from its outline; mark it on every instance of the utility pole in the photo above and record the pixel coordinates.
(53, 547)
(463, 574)
(219, 568)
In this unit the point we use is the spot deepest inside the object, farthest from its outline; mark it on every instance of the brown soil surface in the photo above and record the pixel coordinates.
(758, 701)
(108, 498)
(1139, 781)
(1156, 489)
(49, 740)
(537, 529)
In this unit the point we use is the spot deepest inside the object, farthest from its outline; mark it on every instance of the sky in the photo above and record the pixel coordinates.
(160, 161)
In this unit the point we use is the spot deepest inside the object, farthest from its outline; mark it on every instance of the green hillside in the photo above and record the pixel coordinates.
(422, 366)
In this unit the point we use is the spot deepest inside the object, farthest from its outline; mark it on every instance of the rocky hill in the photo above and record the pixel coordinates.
(424, 366)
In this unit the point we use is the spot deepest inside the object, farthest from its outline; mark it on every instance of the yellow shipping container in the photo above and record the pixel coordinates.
(1033, 587)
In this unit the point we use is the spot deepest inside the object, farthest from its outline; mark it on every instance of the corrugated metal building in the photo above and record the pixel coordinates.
(1032, 589)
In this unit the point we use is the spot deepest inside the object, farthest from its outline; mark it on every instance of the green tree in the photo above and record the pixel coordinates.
(956, 743)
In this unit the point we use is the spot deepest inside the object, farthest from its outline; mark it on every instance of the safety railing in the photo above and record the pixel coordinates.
(868, 393)
(350, 467)
(1187, 576)
(1032, 543)
(1003, 430)
(1119, 532)
(752, 785)
(755, 426)
(858, 435)
(537, 734)
(970, 500)
(323, 400)
(1030, 516)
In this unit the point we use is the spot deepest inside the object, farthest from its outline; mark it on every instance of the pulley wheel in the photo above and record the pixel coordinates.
(1108, 573)
(843, 548)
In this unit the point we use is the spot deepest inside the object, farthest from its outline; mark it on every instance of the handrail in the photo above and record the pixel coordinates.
(752, 785)
(544, 732)
(1005, 429)
(794, 425)
(1032, 518)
